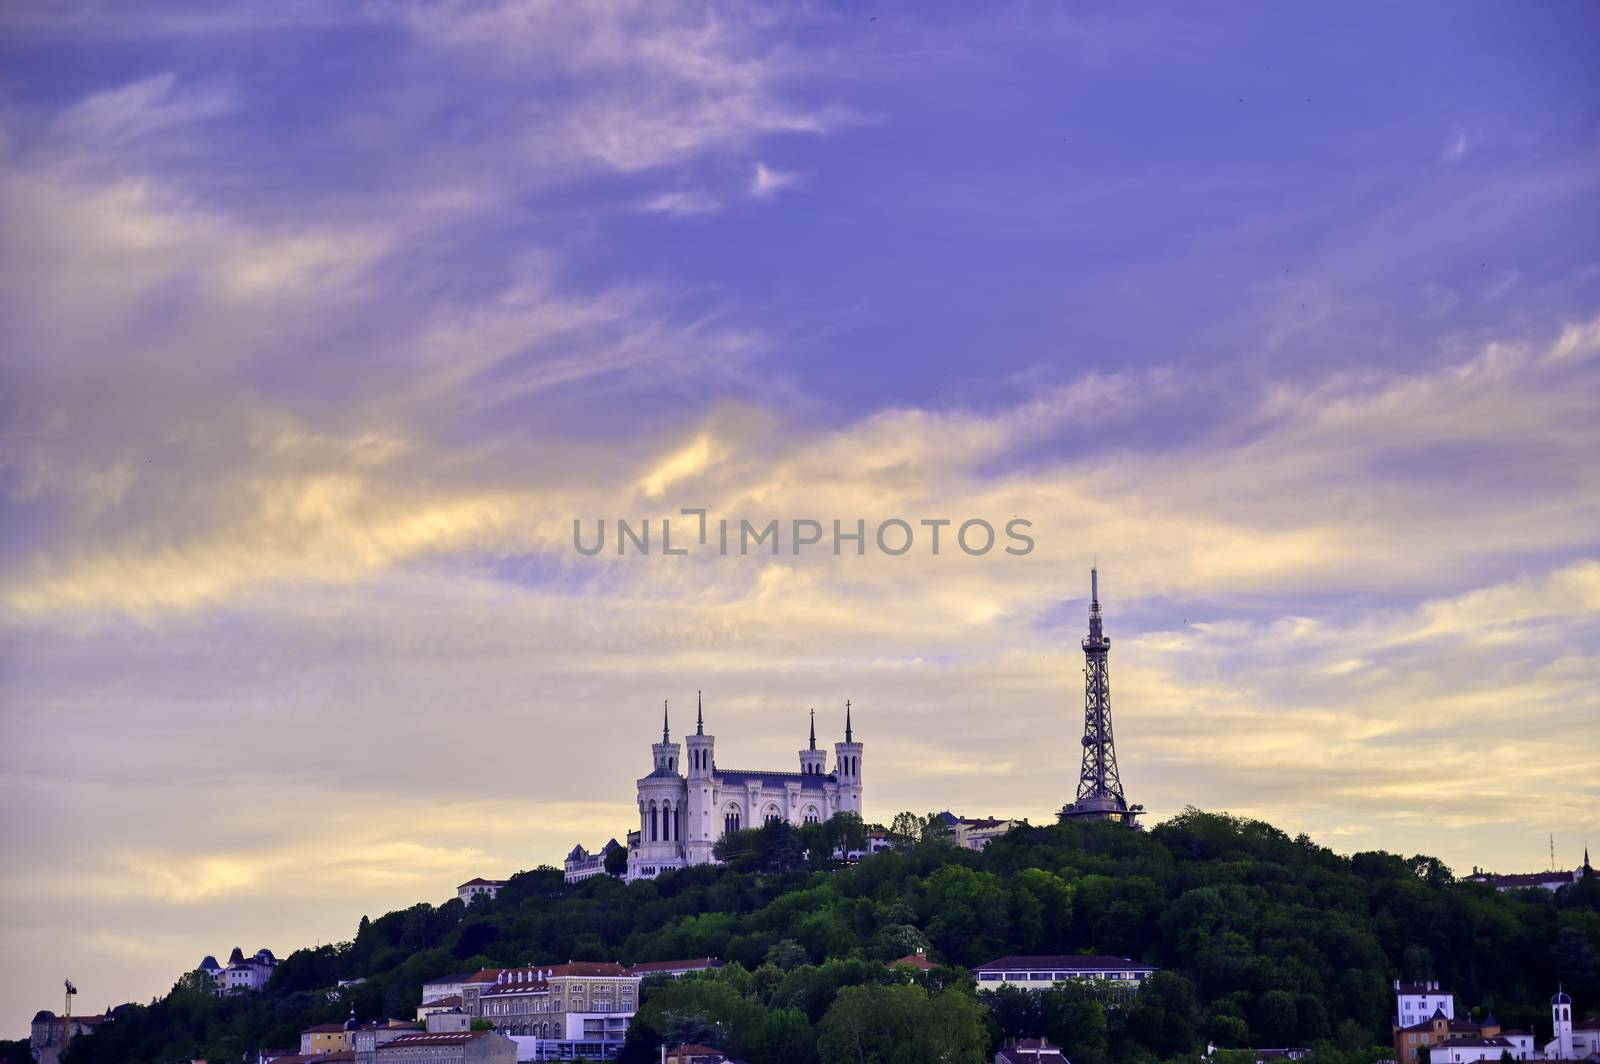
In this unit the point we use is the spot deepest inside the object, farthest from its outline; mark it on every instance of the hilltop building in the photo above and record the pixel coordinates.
(1042, 973)
(685, 806)
(581, 864)
(1551, 881)
(243, 975)
(975, 834)
(473, 888)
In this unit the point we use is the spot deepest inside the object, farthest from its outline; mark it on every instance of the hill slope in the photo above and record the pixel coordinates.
(1264, 940)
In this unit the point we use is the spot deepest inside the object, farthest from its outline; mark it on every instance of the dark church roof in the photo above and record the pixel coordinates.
(808, 782)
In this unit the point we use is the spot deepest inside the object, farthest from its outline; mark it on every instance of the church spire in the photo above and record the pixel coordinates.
(847, 721)
(699, 715)
(666, 733)
(814, 733)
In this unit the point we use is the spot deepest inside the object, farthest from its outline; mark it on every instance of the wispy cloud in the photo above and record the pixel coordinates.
(766, 183)
(681, 204)
(117, 116)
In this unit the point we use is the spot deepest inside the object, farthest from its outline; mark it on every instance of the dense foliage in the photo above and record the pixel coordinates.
(1263, 940)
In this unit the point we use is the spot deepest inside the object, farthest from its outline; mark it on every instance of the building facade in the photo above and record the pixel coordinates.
(688, 801)
(1437, 1030)
(472, 888)
(1041, 973)
(243, 975)
(50, 1033)
(586, 1000)
(449, 1047)
(581, 864)
(976, 834)
(1416, 1002)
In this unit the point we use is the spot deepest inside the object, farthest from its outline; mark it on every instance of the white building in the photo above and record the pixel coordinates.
(1417, 1002)
(243, 975)
(445, 986)
(1473, 1050)
(685, 806)
(581, 864)
(1041, 973)
(474, 887)
(1572, 1041)
(975, 834)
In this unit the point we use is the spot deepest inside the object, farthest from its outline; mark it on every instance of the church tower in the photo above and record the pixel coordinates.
(662, 814)
(813, 762)
(701, 829)
(1561, 1021)
(847, 768)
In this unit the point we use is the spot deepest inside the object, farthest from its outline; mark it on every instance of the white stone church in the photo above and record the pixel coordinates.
(687, 804)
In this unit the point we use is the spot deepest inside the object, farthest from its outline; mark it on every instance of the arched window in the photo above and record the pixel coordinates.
(811, 815)
(655, 823)
(771, 814)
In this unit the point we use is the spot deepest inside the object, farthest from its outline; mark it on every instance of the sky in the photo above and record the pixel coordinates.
(321, 324)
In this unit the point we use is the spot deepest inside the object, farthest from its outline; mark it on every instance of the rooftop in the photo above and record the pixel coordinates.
(1064, 964)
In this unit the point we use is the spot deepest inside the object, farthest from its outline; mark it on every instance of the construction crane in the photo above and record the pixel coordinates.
(66, 1015)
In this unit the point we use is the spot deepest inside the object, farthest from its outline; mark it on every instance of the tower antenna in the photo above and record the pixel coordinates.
(1100, 795)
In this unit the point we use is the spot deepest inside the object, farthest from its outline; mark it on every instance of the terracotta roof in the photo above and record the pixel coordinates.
(459, 977)
(917, 960)
(436, 1038)
(1064, 964)
(595, 968)
(695, 965)
(483, 975)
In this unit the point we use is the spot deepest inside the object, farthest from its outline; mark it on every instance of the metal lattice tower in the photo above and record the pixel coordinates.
(1100, 794)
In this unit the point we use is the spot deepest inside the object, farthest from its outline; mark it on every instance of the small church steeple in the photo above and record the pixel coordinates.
(814, 746)
(666, 731)
(847, 737)
(699, 714)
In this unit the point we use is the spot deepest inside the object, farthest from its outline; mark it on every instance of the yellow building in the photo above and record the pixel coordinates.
(329, 1037)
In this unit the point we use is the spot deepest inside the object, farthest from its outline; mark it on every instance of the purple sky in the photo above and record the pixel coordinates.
(320, 323)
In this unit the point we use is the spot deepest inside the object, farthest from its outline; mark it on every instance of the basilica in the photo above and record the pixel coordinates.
(688, 801)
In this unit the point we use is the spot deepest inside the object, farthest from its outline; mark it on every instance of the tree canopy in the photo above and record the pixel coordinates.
(1262, 939)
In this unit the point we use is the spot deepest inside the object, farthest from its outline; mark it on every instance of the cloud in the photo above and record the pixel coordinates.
(684, 204)
(118, 116)
(766, 184)
(1456, 149)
